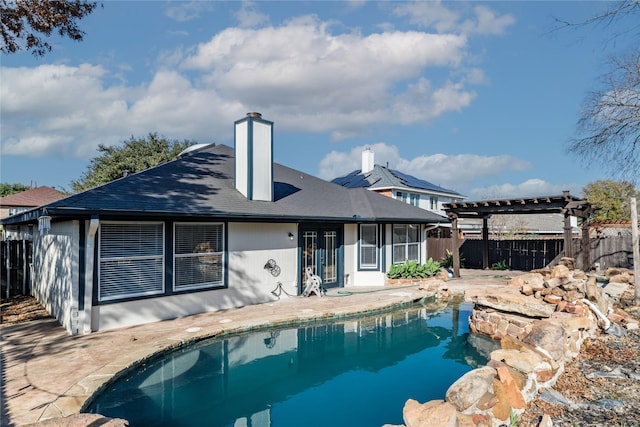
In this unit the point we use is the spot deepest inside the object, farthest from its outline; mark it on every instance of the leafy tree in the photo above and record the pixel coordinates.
(26, 22)
(8, 189)
(610, 198)
(608, 132)
(133, 156)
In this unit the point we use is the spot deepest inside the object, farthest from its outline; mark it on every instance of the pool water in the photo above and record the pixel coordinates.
(358, 372)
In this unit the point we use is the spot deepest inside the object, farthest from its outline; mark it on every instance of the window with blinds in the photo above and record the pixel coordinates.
(131, 260)
(368, 246)
(198, 255)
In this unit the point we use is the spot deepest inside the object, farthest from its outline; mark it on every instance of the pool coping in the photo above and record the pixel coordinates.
(37, 386)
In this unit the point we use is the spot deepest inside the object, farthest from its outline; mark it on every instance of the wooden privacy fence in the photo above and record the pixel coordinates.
(15, 272)
(529, 254)
(521, 255)
(437, 247)
(607, 252)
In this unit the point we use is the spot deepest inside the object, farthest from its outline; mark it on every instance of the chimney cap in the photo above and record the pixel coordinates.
(254, 114)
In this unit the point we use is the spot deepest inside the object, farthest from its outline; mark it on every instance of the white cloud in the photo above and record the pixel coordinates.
(449, 171)
(248, 16)
(58, 109)
(435, 14)
(338, 83)
(300, 74)
(529, 188)
(487, 22)
(183, 11)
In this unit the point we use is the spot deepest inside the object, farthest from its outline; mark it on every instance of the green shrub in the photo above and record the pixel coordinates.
(501, 265)
(412, 270)
(447, 260)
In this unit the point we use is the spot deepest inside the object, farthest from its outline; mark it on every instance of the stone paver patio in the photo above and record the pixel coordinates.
(47, 373)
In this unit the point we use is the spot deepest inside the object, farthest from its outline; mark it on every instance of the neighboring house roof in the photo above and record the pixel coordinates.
(32, 198)
(381, 177)
(202, 185)
(533, 223)
(610, 228)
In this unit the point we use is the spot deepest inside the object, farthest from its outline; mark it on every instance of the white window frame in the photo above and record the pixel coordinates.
(414, 199)
(402, 196)
(433, 202)
(368, 266)
(406, 244)
(131, 260)
(201, 256)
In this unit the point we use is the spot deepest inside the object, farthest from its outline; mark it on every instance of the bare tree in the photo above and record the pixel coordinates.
(609, 125)
(25, 22)
(608, 132)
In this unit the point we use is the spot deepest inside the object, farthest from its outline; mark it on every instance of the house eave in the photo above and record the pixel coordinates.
(418, 190)
(61, 213)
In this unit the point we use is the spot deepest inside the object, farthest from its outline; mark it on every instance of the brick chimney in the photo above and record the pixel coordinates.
(253, 137)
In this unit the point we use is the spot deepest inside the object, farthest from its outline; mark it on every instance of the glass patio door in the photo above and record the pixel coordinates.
(322, 250)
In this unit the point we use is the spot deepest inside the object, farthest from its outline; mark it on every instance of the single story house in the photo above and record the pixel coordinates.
(400, 186)
(219, 227)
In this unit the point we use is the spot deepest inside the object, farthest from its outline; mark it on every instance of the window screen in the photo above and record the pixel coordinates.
(131, 260)
(198, 255)
(406, 243)
(368, 246)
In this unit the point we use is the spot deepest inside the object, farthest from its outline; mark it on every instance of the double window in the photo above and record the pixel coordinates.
(132, 258)
(406, 243)
(369, 247)
(411, 198)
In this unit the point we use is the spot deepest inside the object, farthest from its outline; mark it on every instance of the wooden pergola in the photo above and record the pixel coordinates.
(565, 204)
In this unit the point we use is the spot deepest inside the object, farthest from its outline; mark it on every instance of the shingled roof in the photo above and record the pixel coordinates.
(202, 185)
(381, 177)
(31, 198)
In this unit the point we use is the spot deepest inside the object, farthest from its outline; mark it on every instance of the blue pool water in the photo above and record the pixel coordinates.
(358, 372)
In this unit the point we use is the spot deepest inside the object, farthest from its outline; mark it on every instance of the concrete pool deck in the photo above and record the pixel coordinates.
(46, 373)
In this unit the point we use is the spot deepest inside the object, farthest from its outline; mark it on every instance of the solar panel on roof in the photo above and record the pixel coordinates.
(353, 180)
(412, 181)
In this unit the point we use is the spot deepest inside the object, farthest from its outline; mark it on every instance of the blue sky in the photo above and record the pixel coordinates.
(479, 97)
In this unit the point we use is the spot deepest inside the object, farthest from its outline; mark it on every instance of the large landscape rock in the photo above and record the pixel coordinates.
(512, 301)
(549, 336)
(432, 413)
(470, 387)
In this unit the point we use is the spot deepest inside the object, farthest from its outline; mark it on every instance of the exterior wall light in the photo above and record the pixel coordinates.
(291, 236)
(44, 224)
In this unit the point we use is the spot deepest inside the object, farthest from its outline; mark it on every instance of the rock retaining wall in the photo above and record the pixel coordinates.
(541, 321)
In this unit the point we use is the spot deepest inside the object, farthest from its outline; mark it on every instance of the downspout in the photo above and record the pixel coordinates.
(90, 268)
(8, 265)
(432, 227)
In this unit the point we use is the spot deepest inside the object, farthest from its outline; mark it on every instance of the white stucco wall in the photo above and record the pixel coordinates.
(250, 246)
(56, 272)
(362, 277)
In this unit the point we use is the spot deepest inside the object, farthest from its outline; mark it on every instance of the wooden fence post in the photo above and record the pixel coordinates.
(635, 247)
(456, 247)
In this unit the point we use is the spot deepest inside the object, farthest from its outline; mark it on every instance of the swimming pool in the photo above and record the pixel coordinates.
(349, 373)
